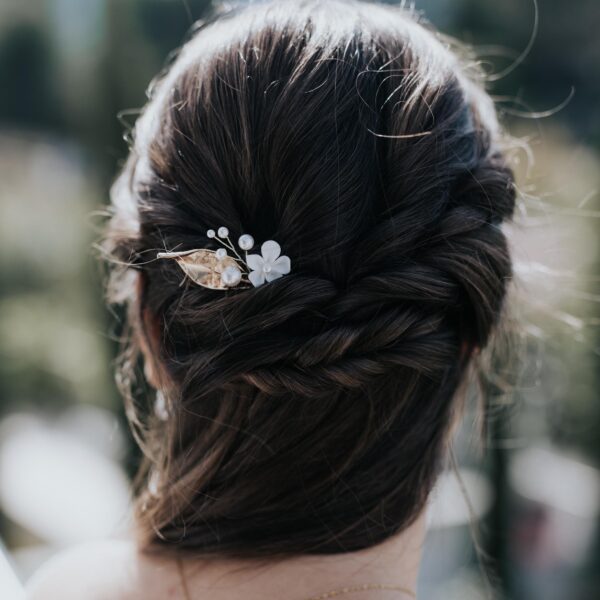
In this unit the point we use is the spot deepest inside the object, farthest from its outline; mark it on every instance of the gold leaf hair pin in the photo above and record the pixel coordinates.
(219, 270)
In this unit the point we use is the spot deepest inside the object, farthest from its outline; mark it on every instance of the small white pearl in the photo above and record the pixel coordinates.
(231, 276)
(210, 233)
(267, 268)
(221, 253)
(223, 232)
(246, 241)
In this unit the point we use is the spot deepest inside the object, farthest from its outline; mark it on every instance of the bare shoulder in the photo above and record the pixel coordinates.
(104, 570)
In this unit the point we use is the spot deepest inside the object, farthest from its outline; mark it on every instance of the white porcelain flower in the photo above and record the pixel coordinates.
(269, 266)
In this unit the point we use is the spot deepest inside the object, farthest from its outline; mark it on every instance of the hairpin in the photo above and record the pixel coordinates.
(219, 270)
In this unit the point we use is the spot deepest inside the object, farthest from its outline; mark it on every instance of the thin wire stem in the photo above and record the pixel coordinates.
(230, 246)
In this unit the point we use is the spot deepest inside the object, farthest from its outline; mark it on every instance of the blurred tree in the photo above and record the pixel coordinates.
(27, 70)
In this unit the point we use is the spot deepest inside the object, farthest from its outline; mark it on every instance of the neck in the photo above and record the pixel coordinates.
(394, 562)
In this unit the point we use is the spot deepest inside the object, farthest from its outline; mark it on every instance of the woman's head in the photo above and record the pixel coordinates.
(310, 414)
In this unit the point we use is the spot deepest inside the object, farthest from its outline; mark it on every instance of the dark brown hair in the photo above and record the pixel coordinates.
(309, 415)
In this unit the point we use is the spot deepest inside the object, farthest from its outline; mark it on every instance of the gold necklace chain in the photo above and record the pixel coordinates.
(362, 588)
(345, 590)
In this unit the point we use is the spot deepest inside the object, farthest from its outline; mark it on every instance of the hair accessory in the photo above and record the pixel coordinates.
(219, 270)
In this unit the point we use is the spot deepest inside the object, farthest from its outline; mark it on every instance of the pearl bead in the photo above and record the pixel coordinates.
(246, 241)
(221, 253)
(231, 276)
(223, 232)
(267, 268)
(210, 233)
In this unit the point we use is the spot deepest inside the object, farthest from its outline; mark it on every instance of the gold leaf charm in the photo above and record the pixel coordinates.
(202, 266)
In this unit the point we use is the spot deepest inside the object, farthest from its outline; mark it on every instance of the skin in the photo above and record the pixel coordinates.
(118, 570)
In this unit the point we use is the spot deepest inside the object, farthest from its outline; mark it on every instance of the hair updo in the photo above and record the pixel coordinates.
(311, 414)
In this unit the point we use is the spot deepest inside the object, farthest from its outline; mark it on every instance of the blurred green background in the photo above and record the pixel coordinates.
(73, 74)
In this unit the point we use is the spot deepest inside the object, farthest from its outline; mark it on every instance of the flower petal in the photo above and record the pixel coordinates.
(270, 251)
(256, 278)
(282, 265)
(255, 262)
(272, 275)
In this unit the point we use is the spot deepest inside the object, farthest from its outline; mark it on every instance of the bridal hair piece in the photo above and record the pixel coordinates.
(218, 270)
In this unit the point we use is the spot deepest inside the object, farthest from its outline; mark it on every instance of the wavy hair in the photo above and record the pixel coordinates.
(311, 414)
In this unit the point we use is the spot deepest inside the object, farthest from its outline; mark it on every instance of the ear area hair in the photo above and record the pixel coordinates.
(147, 334)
